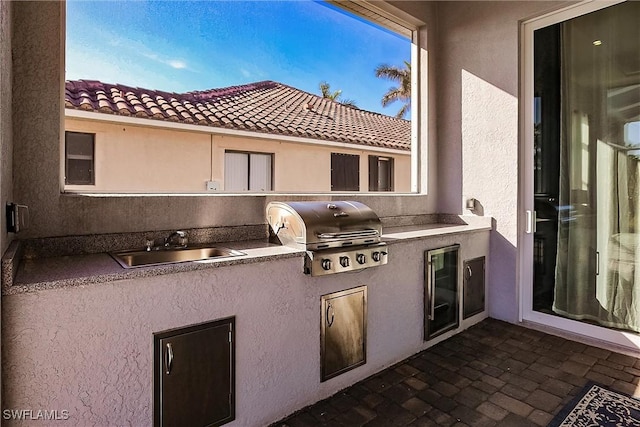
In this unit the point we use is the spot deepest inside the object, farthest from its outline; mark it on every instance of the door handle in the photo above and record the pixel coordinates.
(530, 226)
(330, 320)
(432, 297)
(168, 358)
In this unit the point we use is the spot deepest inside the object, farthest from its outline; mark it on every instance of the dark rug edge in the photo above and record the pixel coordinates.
(566, 409)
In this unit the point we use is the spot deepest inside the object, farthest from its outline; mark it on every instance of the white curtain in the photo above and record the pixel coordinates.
(597, 275)
(618, 286)
(577, 253)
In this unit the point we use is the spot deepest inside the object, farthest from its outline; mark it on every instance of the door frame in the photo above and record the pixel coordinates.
(526, 213)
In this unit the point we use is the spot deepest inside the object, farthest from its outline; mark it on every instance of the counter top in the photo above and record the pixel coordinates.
(76, 270)
(73, 270)
(414, 232)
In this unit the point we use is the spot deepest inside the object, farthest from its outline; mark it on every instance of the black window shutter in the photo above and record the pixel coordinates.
(373, 173)
(345, 172)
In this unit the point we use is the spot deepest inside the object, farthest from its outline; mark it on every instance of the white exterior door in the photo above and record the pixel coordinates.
(580, 213)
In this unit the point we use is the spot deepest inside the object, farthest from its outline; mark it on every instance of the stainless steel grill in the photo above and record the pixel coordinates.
(338, 236)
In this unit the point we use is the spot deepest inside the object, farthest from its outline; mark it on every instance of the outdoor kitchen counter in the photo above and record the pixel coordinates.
(74, 270)
(413, 232)
(32, 275)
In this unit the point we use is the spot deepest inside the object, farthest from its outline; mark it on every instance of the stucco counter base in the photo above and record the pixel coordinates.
(88, 350)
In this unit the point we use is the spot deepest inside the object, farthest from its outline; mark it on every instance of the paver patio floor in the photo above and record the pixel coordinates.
(493, 374)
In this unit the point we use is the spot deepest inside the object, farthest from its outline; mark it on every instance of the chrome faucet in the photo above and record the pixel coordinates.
(182, 239)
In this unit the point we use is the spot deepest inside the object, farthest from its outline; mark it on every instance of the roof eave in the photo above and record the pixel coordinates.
(179, 126)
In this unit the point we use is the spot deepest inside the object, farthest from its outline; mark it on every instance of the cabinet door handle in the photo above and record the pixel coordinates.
(469, 271)
(432, 297)
(330, 320)
(168, 358)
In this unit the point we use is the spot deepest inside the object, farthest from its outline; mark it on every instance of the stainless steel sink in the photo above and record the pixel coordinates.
(142, 258)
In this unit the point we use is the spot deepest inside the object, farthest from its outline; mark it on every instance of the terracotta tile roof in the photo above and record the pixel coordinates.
(267, 107)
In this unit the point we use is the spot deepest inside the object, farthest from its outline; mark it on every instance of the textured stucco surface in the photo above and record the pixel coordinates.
(89, 349)
(478, 78)
(36, 107)
(6, 131)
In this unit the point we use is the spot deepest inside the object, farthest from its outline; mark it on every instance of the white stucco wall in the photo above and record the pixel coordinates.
(143, 159)
(6, 131)
(138, 159)
(88, 349)
(478, 116)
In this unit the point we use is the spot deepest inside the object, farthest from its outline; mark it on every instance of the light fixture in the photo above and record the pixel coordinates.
(597, 42)
(471, 204)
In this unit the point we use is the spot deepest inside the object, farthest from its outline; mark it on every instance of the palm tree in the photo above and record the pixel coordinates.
(400, 93)
(325, 90)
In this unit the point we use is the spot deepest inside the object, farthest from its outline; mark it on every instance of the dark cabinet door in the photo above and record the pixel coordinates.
(473, 271)
(441, 291)
(343, 331)
(194, 375)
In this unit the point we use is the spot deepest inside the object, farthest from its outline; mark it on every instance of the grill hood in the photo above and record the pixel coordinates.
(321, 225)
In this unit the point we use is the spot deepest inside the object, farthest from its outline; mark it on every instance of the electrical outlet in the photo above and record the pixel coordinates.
(213, 186)
(17, 217)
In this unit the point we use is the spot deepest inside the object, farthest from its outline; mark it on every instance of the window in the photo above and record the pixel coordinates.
(247, 171)
(345, 172)
(632, 135)
(380, 173)
(79, 166)
(243, 77)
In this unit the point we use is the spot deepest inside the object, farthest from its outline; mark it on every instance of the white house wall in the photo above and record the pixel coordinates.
(138, 159)
(478, 75)
(6, 139)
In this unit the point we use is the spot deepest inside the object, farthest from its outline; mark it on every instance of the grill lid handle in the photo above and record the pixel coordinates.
(348, 235)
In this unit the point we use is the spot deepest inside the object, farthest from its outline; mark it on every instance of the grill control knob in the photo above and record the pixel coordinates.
(344, 261)
(325, 264)
(376, 256)
(361, 258)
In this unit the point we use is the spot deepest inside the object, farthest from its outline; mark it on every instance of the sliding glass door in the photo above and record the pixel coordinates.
(586, 168)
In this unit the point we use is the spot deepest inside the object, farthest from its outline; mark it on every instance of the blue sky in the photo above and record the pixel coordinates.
(181, 46)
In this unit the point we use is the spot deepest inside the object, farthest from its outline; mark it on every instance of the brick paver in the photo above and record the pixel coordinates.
(493, 374)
